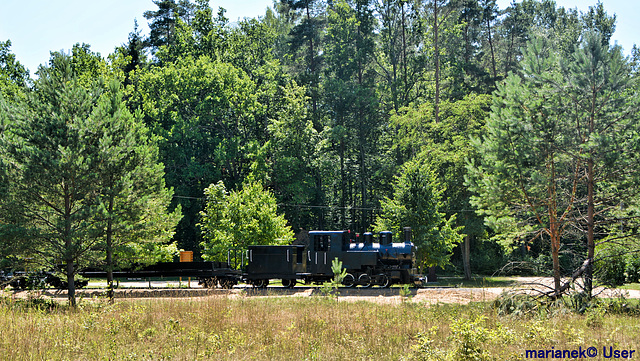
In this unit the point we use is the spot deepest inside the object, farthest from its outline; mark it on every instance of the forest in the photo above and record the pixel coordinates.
(508, 139)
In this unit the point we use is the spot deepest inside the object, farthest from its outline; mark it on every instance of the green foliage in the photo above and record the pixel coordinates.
(469, 340)
(526, 306)
(237, 219)
(417, 203)
(50, 160)
(339, 273)
(163, 21)
(144, 253)
(353, 123)
(610, 267)
(405, 293)
(130, 56)
(517, 152)
(549, 152)
(617, 262)
(204, 112)
(632, 268)
(401, 55)
(88, 66)
(377, 84)
(217, 328)
(133, 202)
(424, 350)
(84, 170)
(470, 337)
(445, 145)
(14, 77)
(291, 153)
(519, 305)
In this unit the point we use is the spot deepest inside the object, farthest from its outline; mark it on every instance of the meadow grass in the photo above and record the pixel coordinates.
(292, 328)
(631, 286)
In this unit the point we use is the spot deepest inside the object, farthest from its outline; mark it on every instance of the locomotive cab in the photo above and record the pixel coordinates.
(324, 246)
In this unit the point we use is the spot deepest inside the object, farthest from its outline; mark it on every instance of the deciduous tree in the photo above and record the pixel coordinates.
(237, 219)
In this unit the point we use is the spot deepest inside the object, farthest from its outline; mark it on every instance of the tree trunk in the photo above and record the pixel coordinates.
(109, 236)
(343, 186)
(404, 57)
(591, 212)
(312, 68)
(588, 279)
(71, 286)
(68, 246)
(467, 45)
(432, 275)
(466, 250)
(554, 227)
(363, 183)
(555, 255)
(493, 57)
(436, 102)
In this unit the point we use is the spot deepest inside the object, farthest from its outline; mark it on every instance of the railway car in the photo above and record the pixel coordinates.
(209, 274)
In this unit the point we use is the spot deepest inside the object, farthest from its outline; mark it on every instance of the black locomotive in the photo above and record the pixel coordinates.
(367, 262)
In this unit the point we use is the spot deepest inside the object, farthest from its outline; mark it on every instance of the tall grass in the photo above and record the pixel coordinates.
(316, 328)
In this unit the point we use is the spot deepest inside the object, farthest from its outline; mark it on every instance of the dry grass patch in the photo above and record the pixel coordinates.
(313, 328)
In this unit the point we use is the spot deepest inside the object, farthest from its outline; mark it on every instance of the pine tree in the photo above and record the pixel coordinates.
(560, 145)
(53, 190)
(133, 199)
(417, 203)
(163, 22)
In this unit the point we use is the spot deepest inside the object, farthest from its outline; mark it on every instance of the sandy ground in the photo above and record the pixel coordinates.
(429, 295)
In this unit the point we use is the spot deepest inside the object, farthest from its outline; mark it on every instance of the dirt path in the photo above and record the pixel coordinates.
(428, 295)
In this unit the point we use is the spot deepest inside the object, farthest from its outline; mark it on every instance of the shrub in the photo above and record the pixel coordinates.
(632, 267)
(516, 304)
(611, 264)
(469, 337)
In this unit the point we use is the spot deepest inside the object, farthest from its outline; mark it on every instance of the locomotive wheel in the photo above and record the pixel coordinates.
(288, 283)
(210, 282)
(349, 280)
(261, 283)
(364, 280)
(383, 280)
(226, 283)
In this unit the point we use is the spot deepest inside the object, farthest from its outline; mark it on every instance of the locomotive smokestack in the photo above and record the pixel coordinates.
(407, 234)
(368, 238)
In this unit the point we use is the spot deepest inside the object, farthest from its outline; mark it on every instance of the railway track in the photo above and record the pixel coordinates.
(427, 295)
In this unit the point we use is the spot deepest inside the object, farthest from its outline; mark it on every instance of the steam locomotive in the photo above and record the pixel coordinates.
(367, 262)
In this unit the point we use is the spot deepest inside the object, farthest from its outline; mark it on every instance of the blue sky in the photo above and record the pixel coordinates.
(36, 27)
